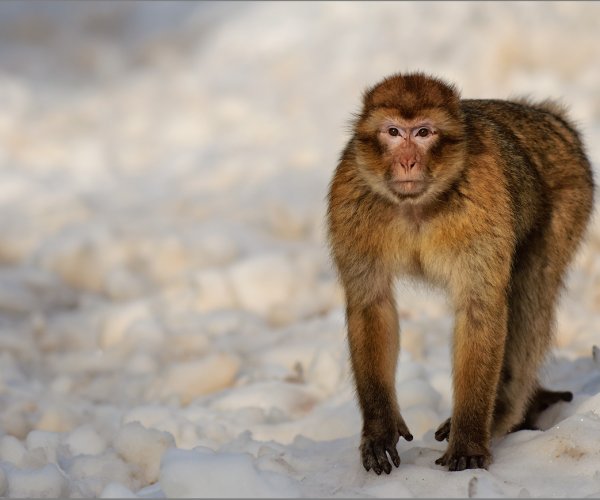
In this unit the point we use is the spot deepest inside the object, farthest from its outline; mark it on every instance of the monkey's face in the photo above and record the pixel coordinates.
(409, 139)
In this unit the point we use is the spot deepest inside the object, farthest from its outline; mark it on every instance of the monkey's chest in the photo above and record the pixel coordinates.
(408, 254)
(411, 263)
(424, 256)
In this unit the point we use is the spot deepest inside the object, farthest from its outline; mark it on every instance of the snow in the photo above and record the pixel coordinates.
(143, 447)
(85, 440)
(205, 474)
(170, 322)
(43, 482)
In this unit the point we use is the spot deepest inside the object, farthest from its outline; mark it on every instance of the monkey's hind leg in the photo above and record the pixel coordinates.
(538, 273)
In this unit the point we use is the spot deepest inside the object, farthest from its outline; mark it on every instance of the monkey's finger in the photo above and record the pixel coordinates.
(443, 431)
(365, 457)
(546, 398)
(441, 460)
(374, 462)
(404, 432)
(393, 452)
(566, 396)
(381, 458)
(366, 462)
(458, 464)
(371, 463)
(376, 467)
(368, 459)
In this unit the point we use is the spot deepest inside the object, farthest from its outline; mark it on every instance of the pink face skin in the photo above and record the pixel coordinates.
(407, 144)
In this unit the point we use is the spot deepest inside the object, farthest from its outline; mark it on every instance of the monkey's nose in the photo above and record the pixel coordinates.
(408, 165)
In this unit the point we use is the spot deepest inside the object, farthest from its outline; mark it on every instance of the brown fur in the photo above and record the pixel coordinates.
(509, 193)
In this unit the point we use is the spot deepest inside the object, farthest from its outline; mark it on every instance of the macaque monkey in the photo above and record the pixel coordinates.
(487, 199)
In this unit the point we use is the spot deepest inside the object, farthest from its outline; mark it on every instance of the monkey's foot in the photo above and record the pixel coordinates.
(443, 431)
(379, 437)
(469, 457)
(541, 400)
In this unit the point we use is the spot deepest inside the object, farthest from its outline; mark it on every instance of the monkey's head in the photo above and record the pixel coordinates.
(409, 138)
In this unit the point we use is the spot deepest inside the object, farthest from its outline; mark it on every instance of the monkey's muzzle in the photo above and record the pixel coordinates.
(408, 187)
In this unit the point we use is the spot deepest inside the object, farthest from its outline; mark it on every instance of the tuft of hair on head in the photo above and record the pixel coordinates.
(410, 92)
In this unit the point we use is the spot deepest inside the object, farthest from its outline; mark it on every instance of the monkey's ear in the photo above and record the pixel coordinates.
(367, 97)
(352, 123)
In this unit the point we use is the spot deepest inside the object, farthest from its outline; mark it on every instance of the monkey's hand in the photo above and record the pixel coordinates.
(380, 436)
(465, 456)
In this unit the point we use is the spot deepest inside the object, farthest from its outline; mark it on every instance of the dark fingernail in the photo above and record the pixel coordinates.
(387, 468)
(396, 461)
(408, 437)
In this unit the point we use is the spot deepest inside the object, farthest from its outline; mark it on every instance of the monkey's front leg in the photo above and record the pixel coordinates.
(479, 336)
(374, 342)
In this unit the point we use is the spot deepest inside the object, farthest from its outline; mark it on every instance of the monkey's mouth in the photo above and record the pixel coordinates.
(408, 188)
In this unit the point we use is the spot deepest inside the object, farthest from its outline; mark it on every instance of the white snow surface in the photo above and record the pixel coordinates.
(170, 321)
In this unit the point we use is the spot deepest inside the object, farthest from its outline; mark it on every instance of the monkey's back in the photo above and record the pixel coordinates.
(541, 131)
(541, 155)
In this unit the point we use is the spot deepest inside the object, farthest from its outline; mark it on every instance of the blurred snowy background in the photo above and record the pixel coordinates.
(170, 323)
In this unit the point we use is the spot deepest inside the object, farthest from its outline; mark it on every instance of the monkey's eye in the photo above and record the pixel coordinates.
(393, 131)
(423, 132)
